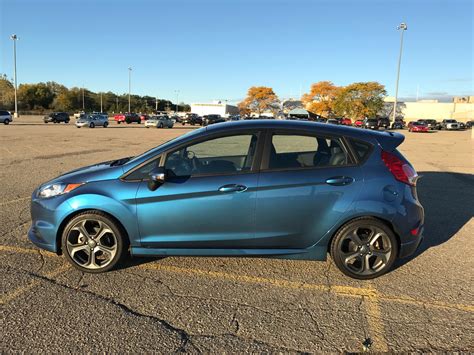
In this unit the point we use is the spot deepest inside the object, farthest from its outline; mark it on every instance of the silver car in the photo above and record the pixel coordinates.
(92, 120)
(159, 122)
(5, 117)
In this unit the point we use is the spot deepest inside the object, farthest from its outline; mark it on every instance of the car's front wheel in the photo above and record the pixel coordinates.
(92, 125)
(93, 242)
(7, 121)
(364, 248)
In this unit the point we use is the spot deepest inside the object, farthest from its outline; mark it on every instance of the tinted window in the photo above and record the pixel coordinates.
(223, 155)
(362, 149)
(300, 151)
(3, 113)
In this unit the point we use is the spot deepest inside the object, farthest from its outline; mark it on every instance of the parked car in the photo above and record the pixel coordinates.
(78, 115)
(398, 124)
(384, 122)
(236, 181)
(449, 124)
(418, 127)
(144, 117)
(57, 117)
(462, 125)
(469, 124)
(92, 120)
(192, 119)
(332, 121)
(432, 124)
(128, 118)
(371, 123)
(358, 123)
(211, 119)
(345, 121)
(159, 122)
(5, 117)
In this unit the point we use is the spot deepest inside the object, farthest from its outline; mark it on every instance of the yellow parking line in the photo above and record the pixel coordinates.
(347, 291)
(21, 290)
(375, 322)
(13, 201)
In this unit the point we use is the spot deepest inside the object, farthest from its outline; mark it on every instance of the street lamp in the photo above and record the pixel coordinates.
(177, 96)
(129, 86)
(14, 39)
(101, 110)
(403, 27)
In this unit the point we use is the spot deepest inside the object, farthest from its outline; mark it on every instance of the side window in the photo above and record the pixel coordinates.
(223, 155)
(292, 151)
(142, 173)
(361, 149)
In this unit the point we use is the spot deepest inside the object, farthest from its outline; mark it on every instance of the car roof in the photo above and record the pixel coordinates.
(299, 125)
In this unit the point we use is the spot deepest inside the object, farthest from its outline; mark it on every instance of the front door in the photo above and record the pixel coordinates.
(208, 199)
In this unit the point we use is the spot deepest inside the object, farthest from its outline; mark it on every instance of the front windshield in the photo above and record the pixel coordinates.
(168, 142)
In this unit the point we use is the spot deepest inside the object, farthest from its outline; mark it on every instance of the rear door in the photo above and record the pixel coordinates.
(307, 182)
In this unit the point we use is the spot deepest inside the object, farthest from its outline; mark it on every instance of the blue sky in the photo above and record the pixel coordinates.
(212, 50)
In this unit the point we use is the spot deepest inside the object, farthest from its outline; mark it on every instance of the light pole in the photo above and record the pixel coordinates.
(403, 27)
(15, 38)
(83, 100)
(177, 96)
(101, 110)
(116, 105)
(129, 86)
(156, 104)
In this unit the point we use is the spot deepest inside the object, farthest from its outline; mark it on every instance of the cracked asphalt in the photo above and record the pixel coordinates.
(231, 304)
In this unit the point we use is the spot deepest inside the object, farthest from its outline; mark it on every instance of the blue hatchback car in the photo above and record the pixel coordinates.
(286, 189)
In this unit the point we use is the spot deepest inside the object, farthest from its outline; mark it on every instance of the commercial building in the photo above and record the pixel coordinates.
(461, 109)
(214, 108)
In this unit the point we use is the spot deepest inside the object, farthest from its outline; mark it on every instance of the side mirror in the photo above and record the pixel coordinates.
(157, 178)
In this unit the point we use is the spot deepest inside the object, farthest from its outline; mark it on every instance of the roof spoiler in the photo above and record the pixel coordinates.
(390, 140)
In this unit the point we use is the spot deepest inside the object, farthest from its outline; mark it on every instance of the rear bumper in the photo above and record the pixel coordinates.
(409, 248)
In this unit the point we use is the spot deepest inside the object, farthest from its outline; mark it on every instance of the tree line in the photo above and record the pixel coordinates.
(354, 101)
(51, 96)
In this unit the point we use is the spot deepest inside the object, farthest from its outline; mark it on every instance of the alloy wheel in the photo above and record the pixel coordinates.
(91, 244)
(365, 250)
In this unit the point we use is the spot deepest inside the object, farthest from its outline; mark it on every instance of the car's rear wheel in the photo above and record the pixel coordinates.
(93, 242)
(92, 125)
(364, 248)
(106, 124)
(160, 125)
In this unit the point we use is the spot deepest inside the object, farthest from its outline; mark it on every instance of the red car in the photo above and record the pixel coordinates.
(144, 117)
(417, 127)
(359, 123)
(127, 118)
(346, 121)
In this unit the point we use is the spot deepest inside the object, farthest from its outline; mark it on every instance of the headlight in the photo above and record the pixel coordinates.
(56, 189)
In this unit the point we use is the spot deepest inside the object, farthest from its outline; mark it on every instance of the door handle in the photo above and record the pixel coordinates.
(232, 188)
(340, 180)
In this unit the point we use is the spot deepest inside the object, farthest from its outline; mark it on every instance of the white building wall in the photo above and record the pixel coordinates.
(436, 110)
(214, 109)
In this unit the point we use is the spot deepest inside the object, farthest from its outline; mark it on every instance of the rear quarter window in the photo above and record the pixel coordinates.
(361, 149)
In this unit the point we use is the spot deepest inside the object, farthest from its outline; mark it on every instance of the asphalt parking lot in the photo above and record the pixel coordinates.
(231, 304)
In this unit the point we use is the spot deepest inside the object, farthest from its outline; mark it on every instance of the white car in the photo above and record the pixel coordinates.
(159, 122)
(5, 117)
(450, 125)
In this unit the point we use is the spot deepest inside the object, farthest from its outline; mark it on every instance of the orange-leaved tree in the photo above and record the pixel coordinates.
(320, 99)
(259, 99)
(359, 100)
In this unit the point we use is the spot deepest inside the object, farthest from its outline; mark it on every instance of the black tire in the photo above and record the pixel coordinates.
(121, 240)
(92, 125)
(67, 121)
(160, 125)
(106, 124)
(118, 122)
(6, 122)
(359, 253)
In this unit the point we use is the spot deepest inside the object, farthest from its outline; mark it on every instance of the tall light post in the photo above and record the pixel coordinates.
(101, 110)
(83, 100)
(177, 96)
(403, 27)
(156, 103)
(129, 86)
(14, 39)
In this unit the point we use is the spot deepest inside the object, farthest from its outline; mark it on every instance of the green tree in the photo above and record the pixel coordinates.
(35, 96)
(7, 93)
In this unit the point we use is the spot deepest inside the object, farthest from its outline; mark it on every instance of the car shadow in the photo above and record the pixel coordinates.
(448, 200)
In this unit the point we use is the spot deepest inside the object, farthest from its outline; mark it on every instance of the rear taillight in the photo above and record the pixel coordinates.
(401, 170)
